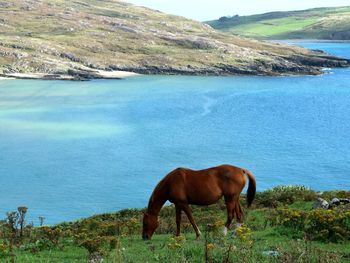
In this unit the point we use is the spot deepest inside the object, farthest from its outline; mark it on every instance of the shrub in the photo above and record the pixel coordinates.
(176, 242)
(318, 224)
(329, 195)
(328, 225)
(51, 234)
(93, 245)
(284, 195)
(244, 234)
(4, 250)
(289, 217)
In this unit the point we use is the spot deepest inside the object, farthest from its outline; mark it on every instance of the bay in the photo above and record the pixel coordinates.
(73, 149)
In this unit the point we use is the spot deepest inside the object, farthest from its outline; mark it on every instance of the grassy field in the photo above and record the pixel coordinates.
(320, 23)
(281, 227)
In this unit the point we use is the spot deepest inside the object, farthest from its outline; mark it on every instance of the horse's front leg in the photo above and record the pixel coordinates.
(188, 212)
(178, 219)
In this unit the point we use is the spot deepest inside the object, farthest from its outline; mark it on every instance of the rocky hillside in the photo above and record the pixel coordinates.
(318, 23)
(78, 37)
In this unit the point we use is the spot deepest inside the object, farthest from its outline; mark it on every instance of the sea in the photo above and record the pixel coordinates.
(71, 149)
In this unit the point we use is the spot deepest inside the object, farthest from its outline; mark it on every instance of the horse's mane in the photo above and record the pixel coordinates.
(157, 190)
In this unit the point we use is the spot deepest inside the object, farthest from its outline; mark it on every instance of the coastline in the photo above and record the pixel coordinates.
(71, 75)
(296, 66)
(6, 78)
(286, 40)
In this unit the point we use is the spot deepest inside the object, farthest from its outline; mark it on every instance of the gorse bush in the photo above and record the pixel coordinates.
(4, 249)
(289, 217)
(176, 242)
(319, 224)
(328, 225)
(329, 195)
(283, 195)
(244, 234)
(50, 234)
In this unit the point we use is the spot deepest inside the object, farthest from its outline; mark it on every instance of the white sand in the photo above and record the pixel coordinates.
(6, 78)
(116, 74)
(99, 73)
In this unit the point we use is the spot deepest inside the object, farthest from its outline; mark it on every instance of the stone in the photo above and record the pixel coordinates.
(334, 202)
(344, 200)
(271, 253)
(321, 203)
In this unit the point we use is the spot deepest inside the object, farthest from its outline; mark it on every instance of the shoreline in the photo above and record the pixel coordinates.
(308, 40)
(100, 74)
(85, 74)
(73, 75)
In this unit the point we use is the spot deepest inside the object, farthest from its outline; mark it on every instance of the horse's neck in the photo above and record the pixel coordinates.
(157, 200)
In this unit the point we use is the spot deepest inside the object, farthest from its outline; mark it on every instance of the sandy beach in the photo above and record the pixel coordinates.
(6, 78)
(76, 75)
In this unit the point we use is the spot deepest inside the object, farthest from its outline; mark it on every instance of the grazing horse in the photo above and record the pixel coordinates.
(184, 186)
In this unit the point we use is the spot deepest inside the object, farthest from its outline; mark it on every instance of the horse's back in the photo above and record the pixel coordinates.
(222, 173)
(204, 186)
(232, 179)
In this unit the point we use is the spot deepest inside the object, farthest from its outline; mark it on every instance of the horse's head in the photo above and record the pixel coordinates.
(150, 223)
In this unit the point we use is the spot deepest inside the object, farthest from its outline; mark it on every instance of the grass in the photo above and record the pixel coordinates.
(261, 239)
(319, 23)
(273, 27)
(133, 249)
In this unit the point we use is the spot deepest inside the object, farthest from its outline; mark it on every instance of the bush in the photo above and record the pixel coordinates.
(284, 195)
(329, 195)
(51, 234)
(318, 224)
(4, 250)
(328, 225)
(289, 217)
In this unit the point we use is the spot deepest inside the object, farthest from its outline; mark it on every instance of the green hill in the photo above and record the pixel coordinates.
(77, 38)
(318, 23)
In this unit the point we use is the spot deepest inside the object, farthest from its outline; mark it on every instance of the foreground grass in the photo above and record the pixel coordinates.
(116, 237)
(133, 249)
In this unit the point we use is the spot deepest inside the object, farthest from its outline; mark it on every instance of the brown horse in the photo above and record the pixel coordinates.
(184, 186)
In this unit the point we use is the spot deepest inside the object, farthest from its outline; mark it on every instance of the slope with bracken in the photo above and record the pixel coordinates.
(77, 38)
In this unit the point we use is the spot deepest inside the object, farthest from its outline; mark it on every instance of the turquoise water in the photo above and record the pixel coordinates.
(72, 149)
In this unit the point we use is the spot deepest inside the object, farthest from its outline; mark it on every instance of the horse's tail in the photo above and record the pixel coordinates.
(251, 187)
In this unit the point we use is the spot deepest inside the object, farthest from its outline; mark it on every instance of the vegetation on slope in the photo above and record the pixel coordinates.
(319, 23)
(281, 227)
(78, 37)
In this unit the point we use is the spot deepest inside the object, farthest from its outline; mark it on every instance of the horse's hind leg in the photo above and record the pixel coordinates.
(188, 212)
(178, 219)
(230, 207)
(239, 213)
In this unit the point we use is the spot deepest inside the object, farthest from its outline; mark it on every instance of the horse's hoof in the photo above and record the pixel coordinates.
(225, 231)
